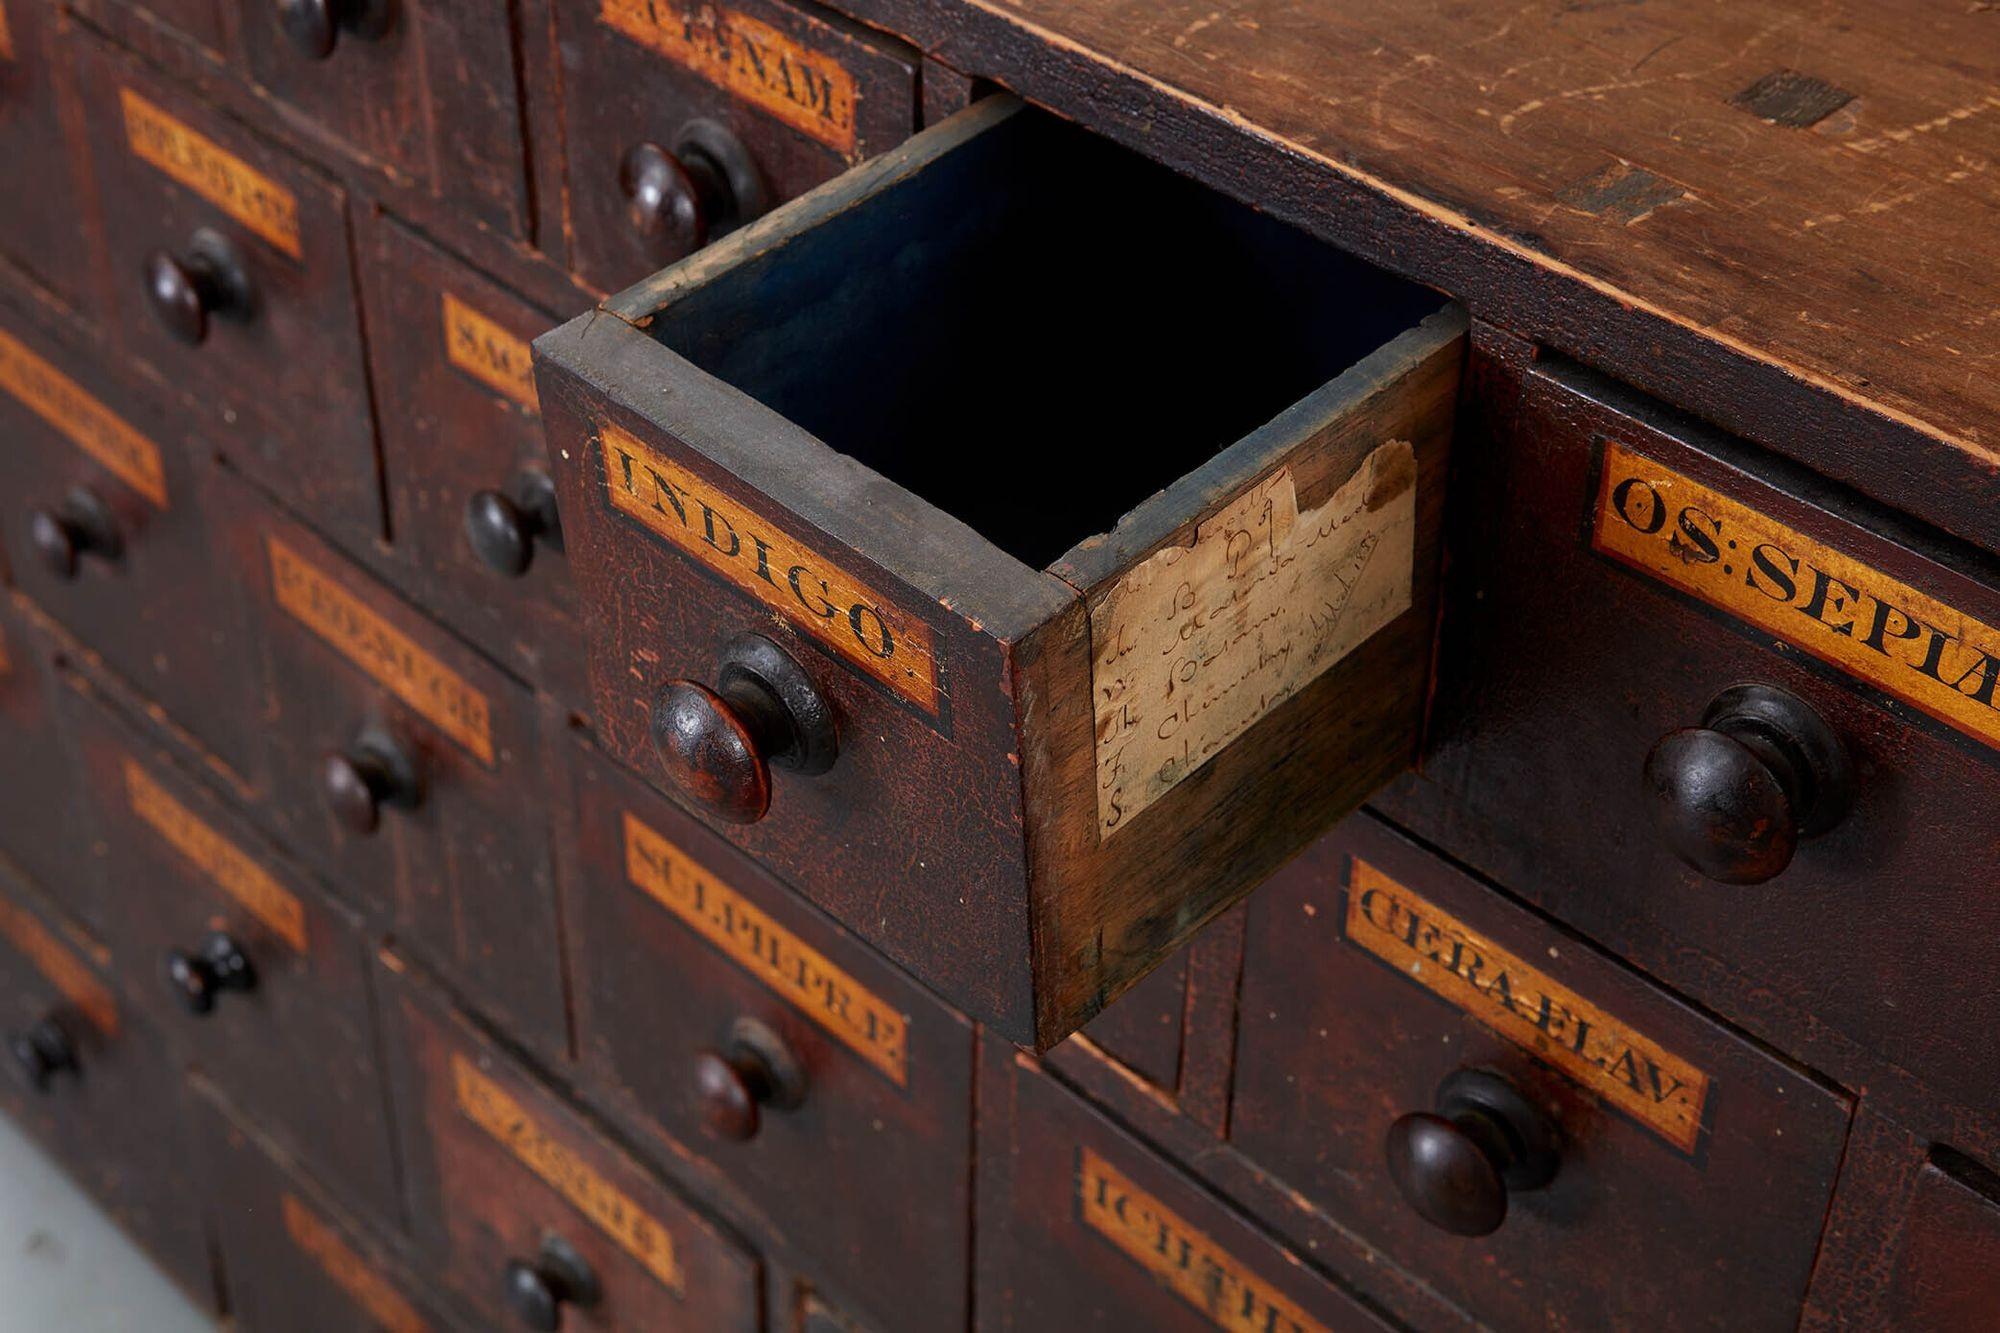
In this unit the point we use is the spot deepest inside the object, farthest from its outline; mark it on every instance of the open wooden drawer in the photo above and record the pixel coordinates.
(1062, 533)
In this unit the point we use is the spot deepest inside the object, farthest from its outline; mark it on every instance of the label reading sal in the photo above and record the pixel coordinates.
(488, 353)
(234, 872)
(192, 159)
(89, 424)
(383, 651)
(805, 587)
(806, 89)
(1196, 643)
(1190, 1265)
(488, 1106)
(64, 970)
(769, 952)
(349, 1271)
(1763, 573)
(1636, 1074)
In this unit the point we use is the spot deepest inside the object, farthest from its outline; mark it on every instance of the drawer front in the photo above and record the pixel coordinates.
(1692, 1170)
(42, 830)
(691, 964)
(1142, 1028)
(424, 91)
(802, 95)
(1083, 1227)
(204, 21)
(294, 1262)
(460, 420)
(43, 230)
(109, 1106)
(106, 528)
(1947, 1276)
(499, 1170)
(230, 274)
(268, 990)
(1582, 639)
(404, 767)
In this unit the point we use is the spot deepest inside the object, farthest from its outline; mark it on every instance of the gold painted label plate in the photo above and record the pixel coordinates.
(231, 869)
(87, 423)
(807, 89)
(1628, 1069)
(392, 657)
(1196, 643)
(1864, 622)
(6, 36)
(490, 354)
(487, 1105)
(190, 158)
(729, 538)
(1184, 1260)
(64, 970)
(350, 1272)
(767, 951)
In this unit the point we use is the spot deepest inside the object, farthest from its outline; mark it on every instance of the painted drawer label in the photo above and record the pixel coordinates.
(1195, 644)
(490, 354)
(808, 90)
(1864, 622)
(87, 423)
(767, 951)
(190, 158)
(1628, 1069)
(609, 1208)
(392, 657)
(226, 865)
(812, 592)
(6, 36)
(349, 1271)
(63, 969)
(1185, 1261)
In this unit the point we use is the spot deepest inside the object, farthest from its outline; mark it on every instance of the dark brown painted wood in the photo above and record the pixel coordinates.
(41, 819)
(47, 231)
(208, 24)
(1141, 1029)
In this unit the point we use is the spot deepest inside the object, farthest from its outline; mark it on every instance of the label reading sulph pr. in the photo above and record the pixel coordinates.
(188, 157)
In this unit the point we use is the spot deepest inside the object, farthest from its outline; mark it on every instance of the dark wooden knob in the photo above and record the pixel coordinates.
(1735, 796)
(41, 1053)
(537, 1291)
(187, 291)
(376, 770)
(755, 1069)
(679, 200)
(718, 745)
(82, 524)
(1458, 1167)
(503, 527)
(314, 26)
(218, 965)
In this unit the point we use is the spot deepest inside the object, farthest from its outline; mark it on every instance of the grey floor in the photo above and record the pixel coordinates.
(64, 1267)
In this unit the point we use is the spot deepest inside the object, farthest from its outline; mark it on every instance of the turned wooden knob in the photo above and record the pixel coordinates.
(503, 527)
(718, 745)
(218, 965)
(1734, 796)
(82, 524)
(314, 26)
(754, 1070)
(186, 291)
(537, 1290)
(680, 199)
(376, 770)
(41, 1053)
(1458, 1167)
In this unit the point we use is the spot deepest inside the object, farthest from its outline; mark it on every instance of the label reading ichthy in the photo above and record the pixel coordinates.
(232, 871)
(188, 156)
(1195, 644)
(807, 89)
(488, 353)
(349, 1271)
(383, 651)
(1765, 574)
(1634, 1073)
(488, 1106)
(89, 424)
(769, 952)
(1190, 1265)
(806, 588)
(64, 970)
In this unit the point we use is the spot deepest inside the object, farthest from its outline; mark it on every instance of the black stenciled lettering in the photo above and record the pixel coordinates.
(1824, 598)
(825, 610)
(1621, 501)
(708, 521)
(878, 641)
(1695, 537)
(1879, 631)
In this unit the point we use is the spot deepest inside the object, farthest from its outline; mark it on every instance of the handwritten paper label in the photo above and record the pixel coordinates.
(64, 970)
(488, 1106)
(350, 1272)
(231, 869)
(1767, 575)
(731, 539)
(1631, 1071)
(766, 950)
(490, 354)
(1196, 643)
(749, 59)
(383, 651)
(88, 424)
(190, 158)
(1184, 1260)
